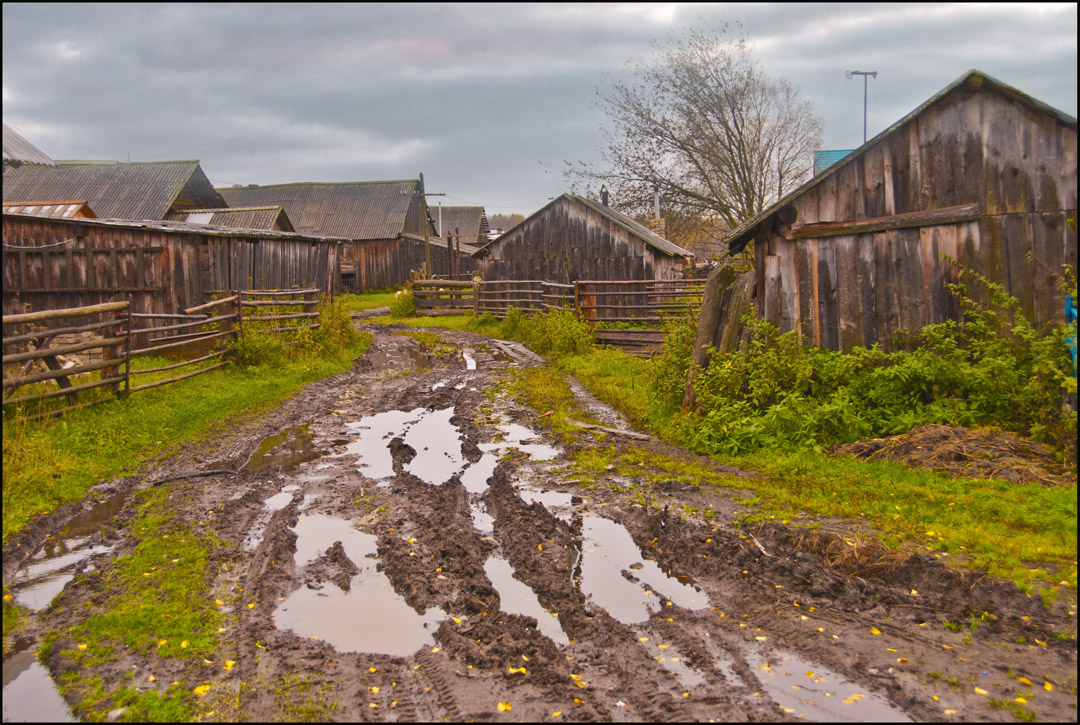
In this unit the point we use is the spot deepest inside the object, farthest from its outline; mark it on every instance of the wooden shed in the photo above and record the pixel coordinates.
(54, 262)
(116, 190)
(384, 221)
(253, 217)
(981, 172)
(573, 238)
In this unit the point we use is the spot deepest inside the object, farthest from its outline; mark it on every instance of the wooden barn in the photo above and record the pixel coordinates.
(55, 262)
(115, 190)
(981, 172)
(384, 221)
(255, 217)
(573, 238)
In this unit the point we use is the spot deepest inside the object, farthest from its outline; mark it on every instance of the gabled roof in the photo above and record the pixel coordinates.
(252, 217)
(17, 149)
(69, 209)
(354, 210)
(647, 235)
(470, 221)
(114, 189)
(973, 79)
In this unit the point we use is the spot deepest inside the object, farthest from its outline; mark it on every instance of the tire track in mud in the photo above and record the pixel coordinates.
(425, 546)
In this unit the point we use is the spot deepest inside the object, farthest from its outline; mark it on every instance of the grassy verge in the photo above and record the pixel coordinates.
(48, 463)
(155, 601)
(366, 301)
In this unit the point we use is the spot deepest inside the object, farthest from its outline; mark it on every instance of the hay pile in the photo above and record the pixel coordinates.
(968, 452)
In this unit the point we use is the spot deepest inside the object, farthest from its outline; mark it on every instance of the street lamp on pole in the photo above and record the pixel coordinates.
(864, 74)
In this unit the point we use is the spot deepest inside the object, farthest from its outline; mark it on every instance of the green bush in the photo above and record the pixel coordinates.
(403, 304)
(991, 369)
(254, 347)
(336, 329)
(557, 332)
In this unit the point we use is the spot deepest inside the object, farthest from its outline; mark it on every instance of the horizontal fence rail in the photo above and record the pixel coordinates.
(200, 335)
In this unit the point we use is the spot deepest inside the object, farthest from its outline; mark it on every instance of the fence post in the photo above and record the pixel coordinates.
(127, 351)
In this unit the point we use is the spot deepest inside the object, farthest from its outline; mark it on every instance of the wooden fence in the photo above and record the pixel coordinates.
(199, 335)
(642, 303)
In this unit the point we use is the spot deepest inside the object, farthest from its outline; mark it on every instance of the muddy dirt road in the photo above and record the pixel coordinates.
(405, 542)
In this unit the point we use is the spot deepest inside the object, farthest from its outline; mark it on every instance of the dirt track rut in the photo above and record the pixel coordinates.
(415, 547)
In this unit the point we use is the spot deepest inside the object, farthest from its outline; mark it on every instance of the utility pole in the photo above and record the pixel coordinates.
(864, 74)
(429, 273)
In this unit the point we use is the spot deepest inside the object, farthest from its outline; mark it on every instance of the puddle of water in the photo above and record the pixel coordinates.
(818, 694)
(475, 478)
(430, 433)
(29, 694)
(393, 361)
(608, 550)
(514, 436)
(470, 361)
(518, 598)
(281, 500)
(672, 660)
(482, 520)
(298, 449)
(436, 386)
(371, 616)
(47, 572)
(562, 505)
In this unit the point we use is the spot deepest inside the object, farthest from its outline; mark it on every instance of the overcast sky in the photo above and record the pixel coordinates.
(488, 101)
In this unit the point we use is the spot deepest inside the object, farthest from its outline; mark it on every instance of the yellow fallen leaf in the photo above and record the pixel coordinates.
(374, 689)
(514, 670)
(578, 702)
(251, 606)
(810, 674)
(373, 670)
(643, 639)
(663, 646)
(219, 602)
(201, 690)
(902, 660)
(1048, 686)
(434, 650)
(81, 646)
(504, 707)
(875, 631)
(1020, 701)
(1024, 681)
(540, 547)
(161, 642)
(8, 597)
(207, 662)
(151, 678)
(229, 664)
(760, 639)
(950, 712)
(184, 644)
(557, 713)
(890, 649)
(260, 645)
(373, 705)
(946, 646)
(393, 704)
(574, 677)
(981, 691)
(765, 666)
(456, 620)
(524, 658)
(686, 694)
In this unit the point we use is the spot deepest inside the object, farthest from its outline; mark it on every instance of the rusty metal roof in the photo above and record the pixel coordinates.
(68, 209)
(17, 149)
(470, 221)
(113, 189)
(355, 210)
(252, 217)
(973, 80)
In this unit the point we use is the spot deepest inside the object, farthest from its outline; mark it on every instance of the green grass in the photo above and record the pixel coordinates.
(48, 463)
(156, 602)
(365, 301)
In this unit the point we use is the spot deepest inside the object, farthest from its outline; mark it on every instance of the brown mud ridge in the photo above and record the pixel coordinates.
(417, 549)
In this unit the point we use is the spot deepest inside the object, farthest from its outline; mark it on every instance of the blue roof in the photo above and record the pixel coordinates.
(825, 159)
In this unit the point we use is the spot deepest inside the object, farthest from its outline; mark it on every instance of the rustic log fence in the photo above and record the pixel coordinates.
(197, 336)
(636, 305)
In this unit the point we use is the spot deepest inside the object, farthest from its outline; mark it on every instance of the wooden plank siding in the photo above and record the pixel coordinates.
(990, 181)
(53, 263)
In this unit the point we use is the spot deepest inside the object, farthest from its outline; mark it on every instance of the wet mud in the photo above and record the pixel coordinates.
(412, 541)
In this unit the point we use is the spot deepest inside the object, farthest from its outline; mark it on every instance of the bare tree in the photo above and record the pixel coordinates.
(704, 125)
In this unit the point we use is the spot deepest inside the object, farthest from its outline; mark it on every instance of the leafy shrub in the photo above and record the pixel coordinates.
(556, 332)
(990, 369)
(403, 304)
(254, 347)
(336, 330)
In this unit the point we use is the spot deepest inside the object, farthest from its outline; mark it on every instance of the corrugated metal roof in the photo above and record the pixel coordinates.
(973, 79)
(470, 221)
(825, 159)
(17, 148)
(355, 210)
(253, 217)
(67, 209)
(117, 190)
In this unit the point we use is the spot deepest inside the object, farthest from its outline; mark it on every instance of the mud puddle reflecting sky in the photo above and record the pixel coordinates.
(29, 694)
(45, 574)
(516, 597)
(371, 616)
(817, 694)
(430, 433)
(672, 660)
(297, 449)
(607, 551)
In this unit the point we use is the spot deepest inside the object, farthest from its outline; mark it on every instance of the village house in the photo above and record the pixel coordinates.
(573, 238)
(468, 224)
(383, 221)
(251, 217)
(981, 173)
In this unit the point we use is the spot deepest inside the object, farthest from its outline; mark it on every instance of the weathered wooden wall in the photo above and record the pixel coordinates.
(387, 263)
(1016, 164)
(164, 270)
(569, 242)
